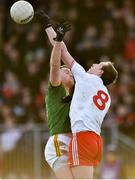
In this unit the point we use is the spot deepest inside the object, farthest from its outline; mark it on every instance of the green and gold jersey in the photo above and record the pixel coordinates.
(57, 110)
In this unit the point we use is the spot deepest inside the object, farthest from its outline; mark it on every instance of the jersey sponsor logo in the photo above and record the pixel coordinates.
(100, 99)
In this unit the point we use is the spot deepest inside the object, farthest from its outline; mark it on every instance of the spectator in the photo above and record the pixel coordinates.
(112, 167)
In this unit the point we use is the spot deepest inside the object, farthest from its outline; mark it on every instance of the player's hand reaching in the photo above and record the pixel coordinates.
(43, 18)
(62, 28)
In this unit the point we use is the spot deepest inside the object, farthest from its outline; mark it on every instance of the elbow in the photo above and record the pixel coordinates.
(54, 65)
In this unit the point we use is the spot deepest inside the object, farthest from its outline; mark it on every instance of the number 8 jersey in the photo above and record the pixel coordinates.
(90, 102)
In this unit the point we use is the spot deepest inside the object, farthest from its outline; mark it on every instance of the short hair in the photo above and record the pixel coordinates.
(110, 74)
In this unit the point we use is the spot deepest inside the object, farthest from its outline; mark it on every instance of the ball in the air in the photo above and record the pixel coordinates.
(22, 12)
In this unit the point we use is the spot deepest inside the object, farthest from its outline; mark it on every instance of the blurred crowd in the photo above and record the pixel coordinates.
(102, 29)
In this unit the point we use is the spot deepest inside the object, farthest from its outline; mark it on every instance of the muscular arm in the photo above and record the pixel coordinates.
(51, 35)
(65, 55)
(45, 21)
(55, 77)
(78, 71)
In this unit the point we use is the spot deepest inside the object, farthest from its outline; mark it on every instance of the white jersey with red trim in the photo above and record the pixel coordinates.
(90, 102)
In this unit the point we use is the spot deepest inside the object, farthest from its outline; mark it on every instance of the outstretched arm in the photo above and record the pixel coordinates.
(77, 70)
(65, 55)
(51, 34)
(55, 77)
(46, 22)
(55, 62)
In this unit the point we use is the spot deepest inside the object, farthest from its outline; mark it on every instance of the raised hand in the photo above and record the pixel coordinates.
(43, 18)
(62, 28)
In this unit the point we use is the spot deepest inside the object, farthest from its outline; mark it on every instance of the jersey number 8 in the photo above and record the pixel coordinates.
(100, 100)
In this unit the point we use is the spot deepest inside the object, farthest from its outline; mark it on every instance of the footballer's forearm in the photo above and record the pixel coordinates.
(55, 62)
(51, 35)
(56, 54)
(65, 55)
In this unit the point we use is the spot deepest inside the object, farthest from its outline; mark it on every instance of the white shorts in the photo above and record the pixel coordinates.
(56, 151)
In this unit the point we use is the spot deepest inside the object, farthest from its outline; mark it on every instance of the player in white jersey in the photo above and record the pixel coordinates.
(90, 103)
(91, 99)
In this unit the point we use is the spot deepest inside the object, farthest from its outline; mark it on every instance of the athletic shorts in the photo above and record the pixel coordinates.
(85, 149)
(56, 151)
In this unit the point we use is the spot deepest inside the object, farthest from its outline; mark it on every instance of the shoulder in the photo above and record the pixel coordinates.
(95, 79)
(76, 68)
(52, 88)
(55, 92)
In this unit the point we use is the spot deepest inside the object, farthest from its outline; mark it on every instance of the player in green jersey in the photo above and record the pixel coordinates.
(57, 104)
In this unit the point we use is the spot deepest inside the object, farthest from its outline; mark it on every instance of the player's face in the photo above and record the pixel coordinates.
(67, 77)
(97, 68)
